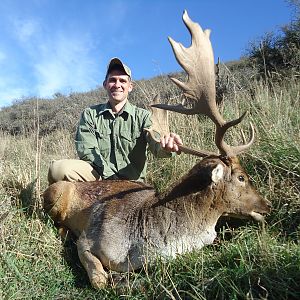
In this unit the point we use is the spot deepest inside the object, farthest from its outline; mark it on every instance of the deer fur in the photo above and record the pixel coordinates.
(121, 224)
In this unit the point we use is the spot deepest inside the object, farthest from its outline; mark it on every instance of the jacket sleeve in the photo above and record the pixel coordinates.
(155, 147)
(86, 144)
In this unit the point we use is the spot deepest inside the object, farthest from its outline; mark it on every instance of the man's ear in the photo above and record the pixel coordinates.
(104, 84)
(131, 86)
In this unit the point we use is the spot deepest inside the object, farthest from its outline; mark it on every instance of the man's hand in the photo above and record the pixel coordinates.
(170, 142)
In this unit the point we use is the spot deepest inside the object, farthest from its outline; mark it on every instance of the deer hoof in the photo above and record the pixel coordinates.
(98, 281)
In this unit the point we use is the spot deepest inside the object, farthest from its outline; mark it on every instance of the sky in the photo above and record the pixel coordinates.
(54, 46)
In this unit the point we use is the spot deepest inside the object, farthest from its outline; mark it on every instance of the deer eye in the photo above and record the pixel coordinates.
(241, 178)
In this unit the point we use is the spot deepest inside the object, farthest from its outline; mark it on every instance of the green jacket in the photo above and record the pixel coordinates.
(116, 145)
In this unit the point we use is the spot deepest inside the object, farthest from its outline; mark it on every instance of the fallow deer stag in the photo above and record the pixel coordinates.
(120, 223)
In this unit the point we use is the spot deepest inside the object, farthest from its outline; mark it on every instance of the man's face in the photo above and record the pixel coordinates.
(118, 85)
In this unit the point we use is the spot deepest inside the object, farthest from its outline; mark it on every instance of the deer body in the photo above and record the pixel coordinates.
(121, 225)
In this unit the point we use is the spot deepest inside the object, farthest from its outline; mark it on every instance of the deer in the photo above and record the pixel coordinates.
(120, 224)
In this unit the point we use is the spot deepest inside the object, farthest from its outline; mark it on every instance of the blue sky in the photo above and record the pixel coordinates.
(50, 46)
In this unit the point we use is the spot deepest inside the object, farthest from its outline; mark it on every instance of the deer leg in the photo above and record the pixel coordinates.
(92, 264)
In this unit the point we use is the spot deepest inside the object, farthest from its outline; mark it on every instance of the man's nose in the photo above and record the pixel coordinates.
(117, 83)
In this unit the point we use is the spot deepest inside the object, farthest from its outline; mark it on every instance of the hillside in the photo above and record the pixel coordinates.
(63, 111)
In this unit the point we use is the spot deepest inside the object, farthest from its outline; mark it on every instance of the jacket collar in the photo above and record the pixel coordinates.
(128, 108)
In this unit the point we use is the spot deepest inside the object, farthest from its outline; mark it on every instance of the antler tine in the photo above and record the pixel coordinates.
(160, 126)
(198, 62)
(230, 151)
(160, 120)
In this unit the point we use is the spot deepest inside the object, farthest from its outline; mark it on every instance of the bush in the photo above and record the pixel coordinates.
(278, 55)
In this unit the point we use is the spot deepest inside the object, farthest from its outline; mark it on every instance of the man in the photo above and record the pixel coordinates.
(111, 141)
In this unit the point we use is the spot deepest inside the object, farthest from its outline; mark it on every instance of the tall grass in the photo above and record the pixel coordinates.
(245, 262)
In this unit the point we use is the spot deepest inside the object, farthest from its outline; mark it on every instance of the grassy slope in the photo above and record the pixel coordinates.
(245, 262)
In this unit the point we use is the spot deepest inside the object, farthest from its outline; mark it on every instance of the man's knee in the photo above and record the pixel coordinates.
(58, 170)
(71, 170)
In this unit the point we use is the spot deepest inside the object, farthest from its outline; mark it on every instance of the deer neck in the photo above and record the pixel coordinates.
(180, 222)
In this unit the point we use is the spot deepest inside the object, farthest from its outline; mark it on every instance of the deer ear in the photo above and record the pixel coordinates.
(217, 173)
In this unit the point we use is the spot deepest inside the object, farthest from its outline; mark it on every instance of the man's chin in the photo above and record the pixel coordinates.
(117, 95)
(117, 102)
(118, 98)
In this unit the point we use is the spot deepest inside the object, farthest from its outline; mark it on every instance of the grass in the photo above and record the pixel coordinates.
(245, 262)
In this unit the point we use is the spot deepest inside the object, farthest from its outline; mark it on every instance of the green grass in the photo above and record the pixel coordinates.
(245, 262)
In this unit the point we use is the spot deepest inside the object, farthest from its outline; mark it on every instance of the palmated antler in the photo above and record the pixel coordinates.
(160, 127)
(198, 62)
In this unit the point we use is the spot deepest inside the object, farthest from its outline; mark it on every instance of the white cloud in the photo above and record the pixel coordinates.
(10, 90)
(57, 61)
(65, 65)
(25, 29)
(10, 82)
(2, 56)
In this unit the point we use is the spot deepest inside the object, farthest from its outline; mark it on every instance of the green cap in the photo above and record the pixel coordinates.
(117, 62)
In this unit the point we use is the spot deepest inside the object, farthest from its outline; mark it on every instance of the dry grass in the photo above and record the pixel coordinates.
(245, 262)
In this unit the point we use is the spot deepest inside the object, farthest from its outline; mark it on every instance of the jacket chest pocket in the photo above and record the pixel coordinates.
(129, 139)
(104, 141)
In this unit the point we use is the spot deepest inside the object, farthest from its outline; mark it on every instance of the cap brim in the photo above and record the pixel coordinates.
(117, 62)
